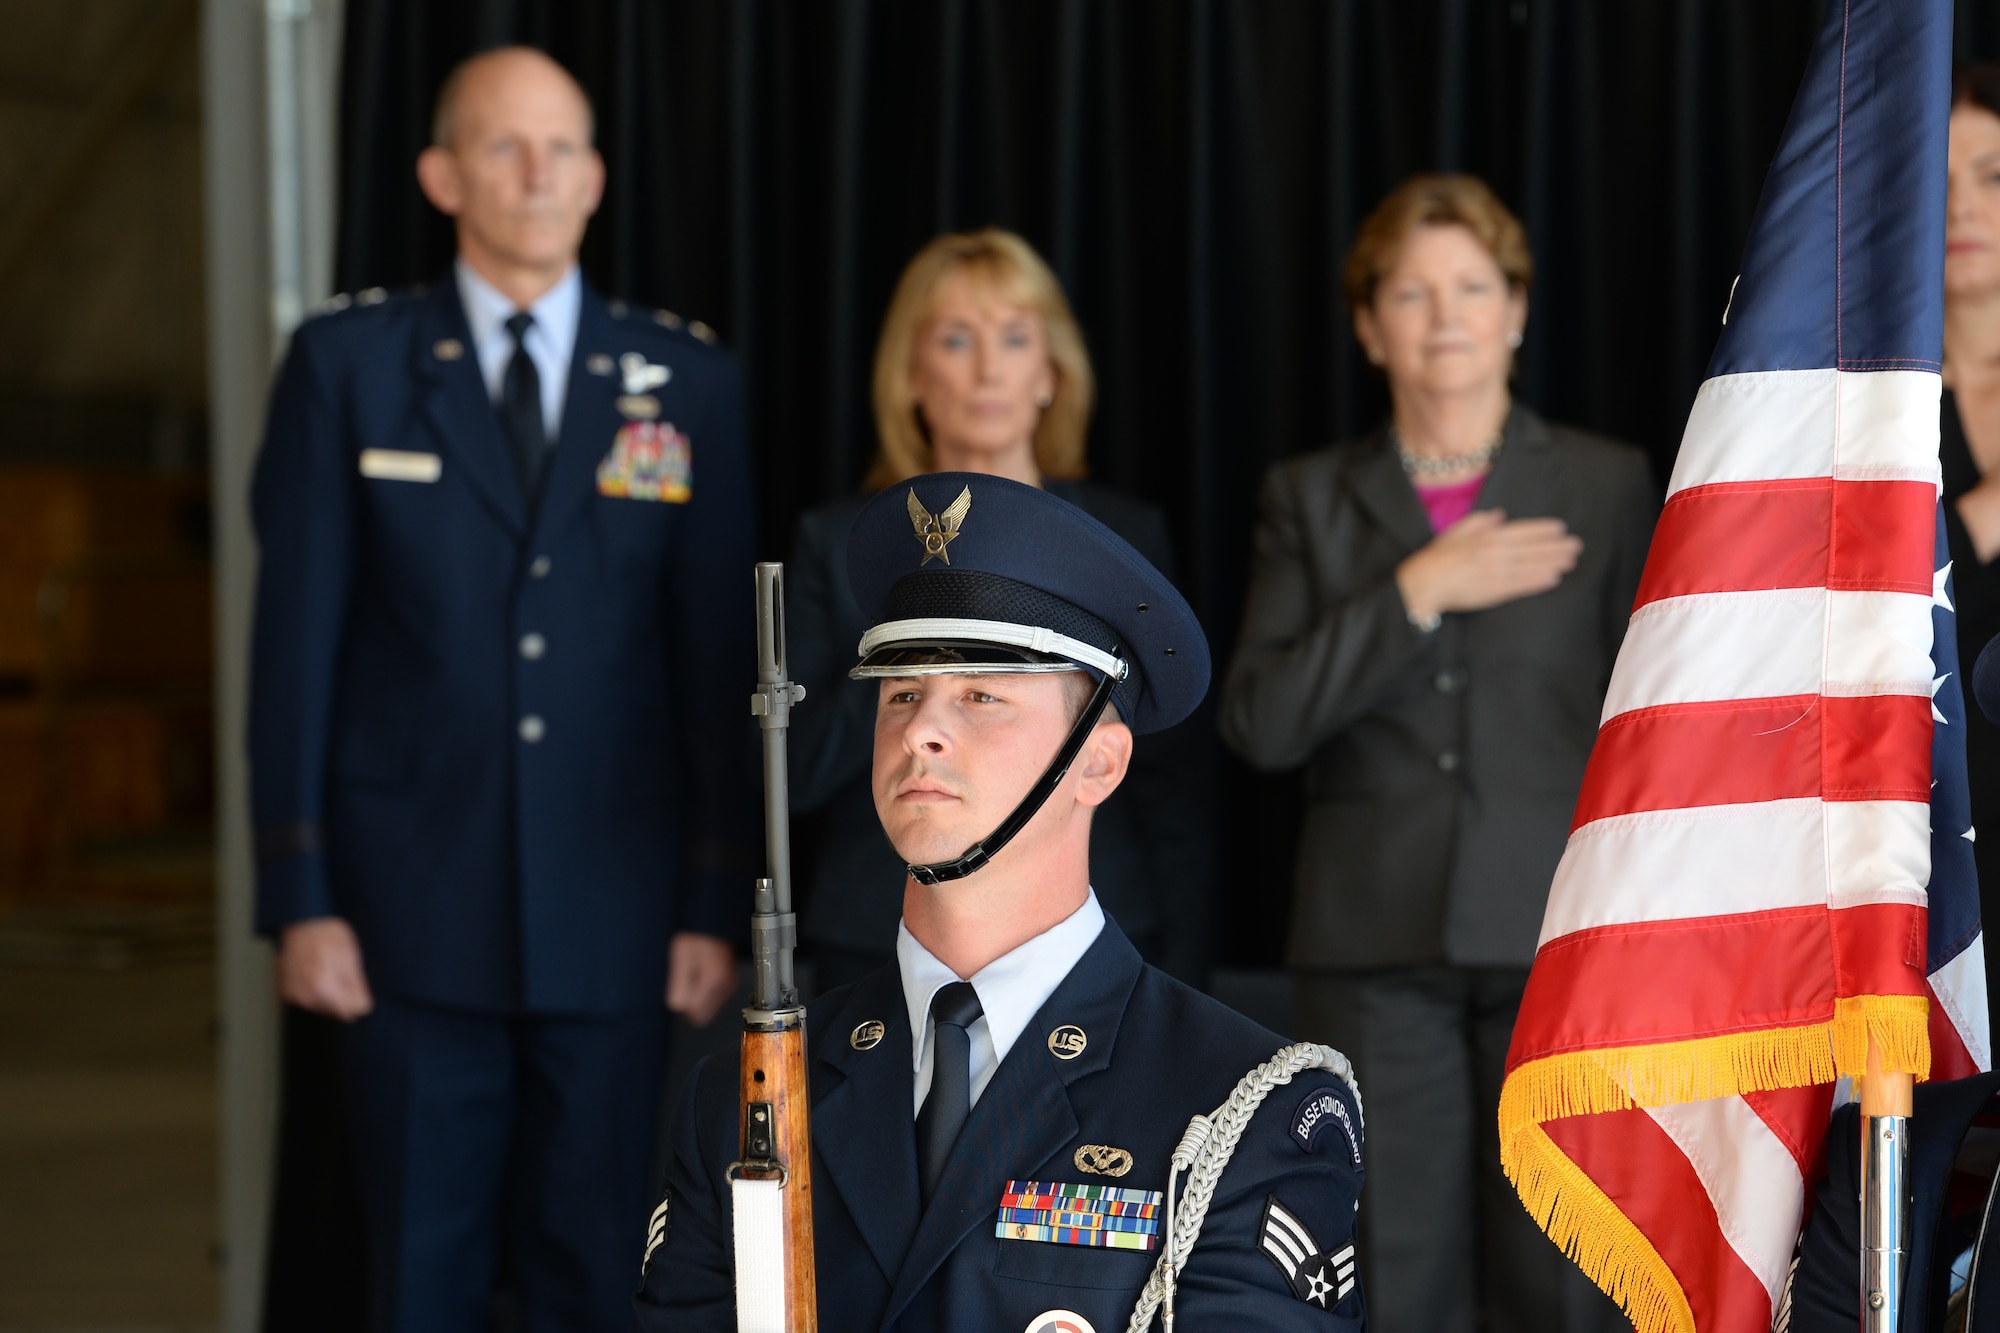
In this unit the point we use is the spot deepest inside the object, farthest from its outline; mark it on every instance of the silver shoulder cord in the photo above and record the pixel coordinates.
(1205, 1150)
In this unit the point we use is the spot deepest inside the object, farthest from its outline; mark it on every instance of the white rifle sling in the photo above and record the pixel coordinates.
(760, 1256)
(1205, 1150)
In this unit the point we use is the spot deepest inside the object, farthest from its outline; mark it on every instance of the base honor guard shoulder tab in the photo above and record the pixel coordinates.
(1320, 1108)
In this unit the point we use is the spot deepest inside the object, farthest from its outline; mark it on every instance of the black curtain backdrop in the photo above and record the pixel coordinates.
(1193, 169)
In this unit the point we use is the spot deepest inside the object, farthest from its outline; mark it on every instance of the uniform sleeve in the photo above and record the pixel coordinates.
(1300, 677)
(712, 613)
(833, 730)
(302, 505)
(1277, 1250)
(687, 1280)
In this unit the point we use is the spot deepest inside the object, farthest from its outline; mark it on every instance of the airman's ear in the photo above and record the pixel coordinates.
(437, 175)
(1103, 763)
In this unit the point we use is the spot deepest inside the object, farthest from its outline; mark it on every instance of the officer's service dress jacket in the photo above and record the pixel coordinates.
(1151, 845)
(501, 740)
(1155, 1053)
(1441, 768)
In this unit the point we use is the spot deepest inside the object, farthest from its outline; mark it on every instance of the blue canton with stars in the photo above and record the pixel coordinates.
(1954, 887)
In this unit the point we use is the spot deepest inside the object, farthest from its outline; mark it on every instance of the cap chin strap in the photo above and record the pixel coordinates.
(977, 855)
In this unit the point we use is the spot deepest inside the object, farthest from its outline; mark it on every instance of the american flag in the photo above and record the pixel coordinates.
(1743, 901)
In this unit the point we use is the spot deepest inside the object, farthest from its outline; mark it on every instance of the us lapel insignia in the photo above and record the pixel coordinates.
(1059, 1321)
(936, 531)
(1067, 1042)
(597, 363)
(1315, 1277)
(1102, 1216)
(1101, 1159)
(640, 375)
(447, 349)
(867, 1036)
(649, 460)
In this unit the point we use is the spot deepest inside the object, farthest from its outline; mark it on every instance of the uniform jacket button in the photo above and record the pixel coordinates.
(532, 728)
(539, 569)
(1448, 681)
(1448, 762)
(533, 646)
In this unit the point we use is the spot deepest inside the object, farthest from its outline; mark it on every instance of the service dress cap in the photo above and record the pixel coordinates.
(960, 572)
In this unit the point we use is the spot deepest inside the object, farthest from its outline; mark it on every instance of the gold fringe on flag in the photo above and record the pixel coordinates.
(1581, 1218)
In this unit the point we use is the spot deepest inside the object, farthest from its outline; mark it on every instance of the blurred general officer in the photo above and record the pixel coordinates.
(973, 1100)
(506, 530)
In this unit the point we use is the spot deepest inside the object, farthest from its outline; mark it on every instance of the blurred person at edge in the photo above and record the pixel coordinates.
(1969, 431)
(1433, 614)
(980, 367)
(506, 533)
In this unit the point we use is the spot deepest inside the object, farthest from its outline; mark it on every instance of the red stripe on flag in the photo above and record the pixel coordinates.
(1737, 751)
(1797, 1118)
(1805, 532)
(1644, 1172)
(1658, 981)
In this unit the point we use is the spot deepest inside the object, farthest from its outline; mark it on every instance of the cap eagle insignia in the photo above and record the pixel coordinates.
(936, 531)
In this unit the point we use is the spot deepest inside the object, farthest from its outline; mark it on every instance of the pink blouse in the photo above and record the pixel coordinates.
(1450, 502)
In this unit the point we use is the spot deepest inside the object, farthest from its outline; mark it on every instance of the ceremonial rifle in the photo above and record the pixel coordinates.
(771, 1184)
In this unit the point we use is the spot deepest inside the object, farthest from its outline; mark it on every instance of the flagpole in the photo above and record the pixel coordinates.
(1886, 1104)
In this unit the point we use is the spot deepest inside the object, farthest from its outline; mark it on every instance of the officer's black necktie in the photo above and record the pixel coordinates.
(521, 410)
(953, 1009)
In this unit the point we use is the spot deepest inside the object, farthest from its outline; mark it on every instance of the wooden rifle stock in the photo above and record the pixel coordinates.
(776, 1120)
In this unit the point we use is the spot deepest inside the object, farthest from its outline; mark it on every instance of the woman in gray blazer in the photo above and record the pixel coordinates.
(1432, 619)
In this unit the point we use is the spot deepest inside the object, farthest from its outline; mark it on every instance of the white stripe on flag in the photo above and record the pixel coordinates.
(1751, 1178)
(1721, 860)
(1773, 424)
(1961, 991)
(1772, 644)
(1880, 852)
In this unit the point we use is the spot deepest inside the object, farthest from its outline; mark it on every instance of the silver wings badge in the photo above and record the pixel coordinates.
(936, 531)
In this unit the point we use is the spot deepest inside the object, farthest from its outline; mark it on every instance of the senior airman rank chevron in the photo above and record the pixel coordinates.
(1769, 868)
(1316, 1277)
(1101, 1215)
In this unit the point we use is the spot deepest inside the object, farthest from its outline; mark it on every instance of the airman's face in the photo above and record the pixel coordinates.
(955, 754)
(519, 176)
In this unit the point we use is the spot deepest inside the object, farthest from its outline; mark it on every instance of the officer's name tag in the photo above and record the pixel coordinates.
(1098, 1215)
(400, 465)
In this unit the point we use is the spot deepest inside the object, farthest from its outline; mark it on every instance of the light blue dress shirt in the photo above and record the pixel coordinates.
(1011, 989)
(550, 340)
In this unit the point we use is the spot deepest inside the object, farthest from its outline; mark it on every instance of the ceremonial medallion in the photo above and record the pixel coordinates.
(937, 531)
(1101, 1159)
(1059, 1321)
(649, 460)
(1100, 1216)
(867, 1036)
(1067, 1042)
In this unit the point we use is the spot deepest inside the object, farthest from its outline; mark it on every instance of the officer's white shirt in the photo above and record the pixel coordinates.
(1011, 989)
(550, 340)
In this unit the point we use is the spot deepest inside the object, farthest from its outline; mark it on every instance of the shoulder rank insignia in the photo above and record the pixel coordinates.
(649, 460)
(1314, 1276)
(1099, 1215)
(656, 1231)
(937, 531)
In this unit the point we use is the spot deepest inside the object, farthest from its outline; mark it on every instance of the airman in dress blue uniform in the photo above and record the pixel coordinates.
(505, 525)
(995, 1117)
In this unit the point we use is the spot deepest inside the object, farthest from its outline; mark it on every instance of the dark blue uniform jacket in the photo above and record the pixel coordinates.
(393, 780)
(1157, 1053)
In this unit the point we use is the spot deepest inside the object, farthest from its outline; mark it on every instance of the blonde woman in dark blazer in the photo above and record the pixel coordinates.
(1433, 615)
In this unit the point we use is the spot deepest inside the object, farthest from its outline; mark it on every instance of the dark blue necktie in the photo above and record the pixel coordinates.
(953, 1009)
(521, 410)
